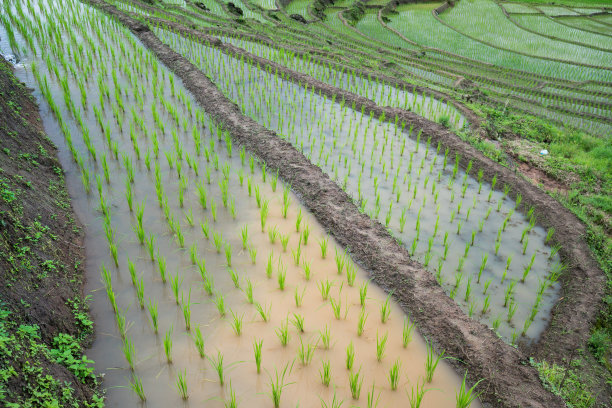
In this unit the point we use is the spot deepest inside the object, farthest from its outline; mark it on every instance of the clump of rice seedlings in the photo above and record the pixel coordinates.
(528, 268)
(283, 333)
(306, 352)
(351, 274)
(297, 253)
(323, 245)
(186, 306)
(235, 277)
(350, 356)
(282, 275)
(136, 386)
(431, 362)
(273, 234)
(299, 297)
(325, 337)
(284, 239)
(298, 322)
(306, 233)
(355, 383)
(253, 255)
(372, 398)
(485, 305)
(298, 221)
(324, 288)
(257, 345)
(263, 214)
(181, 384)
(325, 372)
(483, 265)
(175, 284)
(465, 396)
(415, 398)
(363, 291)
(263, 312)
(228, 253)
(218, 241)
(231, 402)
(220, 303)
(394, 373)
(277, 385)
(199, 341)
(307, 271)
(407, 332)
(217, 365)
(248, 291)
(381, 344)
(269, 266)
(205, 228)
(339, 262)
(334, 403)
(385, 309)
(336, 306)
(153, 312)
(363, 316)
(129, 352)
(151, 247)
(168, 345)
(237, 323)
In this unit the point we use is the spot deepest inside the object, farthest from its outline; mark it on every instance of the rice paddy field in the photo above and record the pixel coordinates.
(310, 203)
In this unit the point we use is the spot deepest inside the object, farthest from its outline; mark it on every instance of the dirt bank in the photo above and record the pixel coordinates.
(44, 323)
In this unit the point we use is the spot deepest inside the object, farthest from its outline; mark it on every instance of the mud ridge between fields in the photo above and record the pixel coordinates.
(510, 382)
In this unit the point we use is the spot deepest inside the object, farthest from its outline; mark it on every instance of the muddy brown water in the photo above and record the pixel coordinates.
(158, 377)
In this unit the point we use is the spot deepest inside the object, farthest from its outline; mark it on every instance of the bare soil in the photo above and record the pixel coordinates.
(509, 380)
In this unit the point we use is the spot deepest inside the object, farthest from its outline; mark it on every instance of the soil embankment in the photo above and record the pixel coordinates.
(44, 324)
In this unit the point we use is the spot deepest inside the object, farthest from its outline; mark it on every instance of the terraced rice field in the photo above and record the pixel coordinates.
(326, 212)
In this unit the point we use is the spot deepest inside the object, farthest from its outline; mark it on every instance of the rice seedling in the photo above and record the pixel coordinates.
(306, 352)
(431, 362)
(175, 284)
(483, 265)
(199, 341)
(284, 239)
(129, 352)
(336, 306)
(325, 372)
(373, 399)
(350, 356)
(298, 297)
(407, 332)
(228, 254)
(168, 345)
(298, 221)
(235, 278)
(415, 398)
(363, 316)
(334, 403)
(181, 384)
(253, 255)
(298, 322)
(351, 274)
(385, 309)
(465, 396)
(237, 323)
(381, 344)
(220, 303)
(136, 386)
(307, 271)
(325, 337)
(324, 288)
(217, 365)
(231, 402)
(323, 245)
(306, 233)
(278, 384)
(485, 305)
(528, 268)
(218, 241)
(282, 275)
(394, 373)
(263, 312)
(283, 333)
(363, 292)
(355, 383)
(152, 306)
